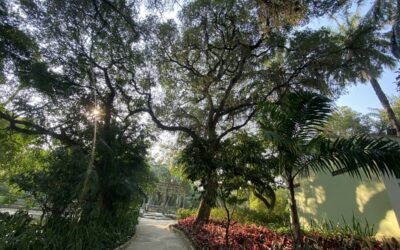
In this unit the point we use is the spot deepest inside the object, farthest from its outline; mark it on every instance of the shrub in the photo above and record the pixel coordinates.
(19, 231)
(183, 213)
(249, 216)
(244, 216)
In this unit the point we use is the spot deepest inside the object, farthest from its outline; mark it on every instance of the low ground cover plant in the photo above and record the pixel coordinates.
(211, 236)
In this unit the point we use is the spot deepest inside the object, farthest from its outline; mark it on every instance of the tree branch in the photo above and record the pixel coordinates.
(36, 129)
(233, 128)
(160, 125)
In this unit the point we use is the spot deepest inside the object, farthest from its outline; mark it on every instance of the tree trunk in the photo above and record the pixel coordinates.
(204, 211)
(297, 235)
(228, 223)
(386, 105)
(106, 150)
(208, 199)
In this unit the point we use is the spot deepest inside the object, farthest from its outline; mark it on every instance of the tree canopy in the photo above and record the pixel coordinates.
(244, 84)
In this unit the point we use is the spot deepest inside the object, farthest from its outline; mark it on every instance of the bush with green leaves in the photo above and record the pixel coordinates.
(183, 213)
(69, 196)
(244, 216)
(19, 231)
(56, 189)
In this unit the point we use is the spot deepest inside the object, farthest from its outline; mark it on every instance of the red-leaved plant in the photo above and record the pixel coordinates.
(211, 236)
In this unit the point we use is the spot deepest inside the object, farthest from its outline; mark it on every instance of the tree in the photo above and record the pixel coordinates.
(283, 14)
(205, 71)
(294, 129)
(370, 47)
(386, 13)
(81, 66)
(345, 122)
(215, 66)
(382, 121)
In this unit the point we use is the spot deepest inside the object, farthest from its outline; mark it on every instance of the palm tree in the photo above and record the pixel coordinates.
(370, 50)
(384, 13)
(293, 129)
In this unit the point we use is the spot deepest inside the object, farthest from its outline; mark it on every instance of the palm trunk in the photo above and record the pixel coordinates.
(386, 105)
(297, 236)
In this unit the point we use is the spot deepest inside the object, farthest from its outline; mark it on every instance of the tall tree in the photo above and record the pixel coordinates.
(215, 65)
(208, 77)
(294, 130)
(369, 45)
(79, 79)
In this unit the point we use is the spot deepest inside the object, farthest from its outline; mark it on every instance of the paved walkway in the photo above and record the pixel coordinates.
(154, 234)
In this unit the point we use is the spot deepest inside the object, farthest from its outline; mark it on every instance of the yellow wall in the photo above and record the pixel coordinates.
(333, 198)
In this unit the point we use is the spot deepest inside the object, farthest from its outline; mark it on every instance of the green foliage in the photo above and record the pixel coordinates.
(250, 216)
(14, 228)
(367, 47)
(383, 13)
(277, 220)
(57, 187)
(294, 129)
(122, 170)
(194, 161)
(382, 117)
(346, 122)
(20, 232)
(183, 213)
(356, 228)
(280, 208)
(18, 152)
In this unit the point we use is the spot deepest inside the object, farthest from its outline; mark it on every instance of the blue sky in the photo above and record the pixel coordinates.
(362, 97)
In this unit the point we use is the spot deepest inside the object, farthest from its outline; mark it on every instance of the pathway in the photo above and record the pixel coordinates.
(34, 212)
(153, 234)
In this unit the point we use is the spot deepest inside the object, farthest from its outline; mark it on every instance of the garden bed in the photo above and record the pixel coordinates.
(211, 236)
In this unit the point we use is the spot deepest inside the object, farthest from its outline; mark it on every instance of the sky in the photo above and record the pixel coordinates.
(362, 97)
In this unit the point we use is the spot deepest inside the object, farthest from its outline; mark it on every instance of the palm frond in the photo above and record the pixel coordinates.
(312, 113)
(273, 118)
(357, 155)
(300, 115)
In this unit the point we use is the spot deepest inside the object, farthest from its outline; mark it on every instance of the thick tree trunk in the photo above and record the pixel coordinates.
(297, 235)
(208, 200)
(107, 135)
(204, 211)
(386, 105)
